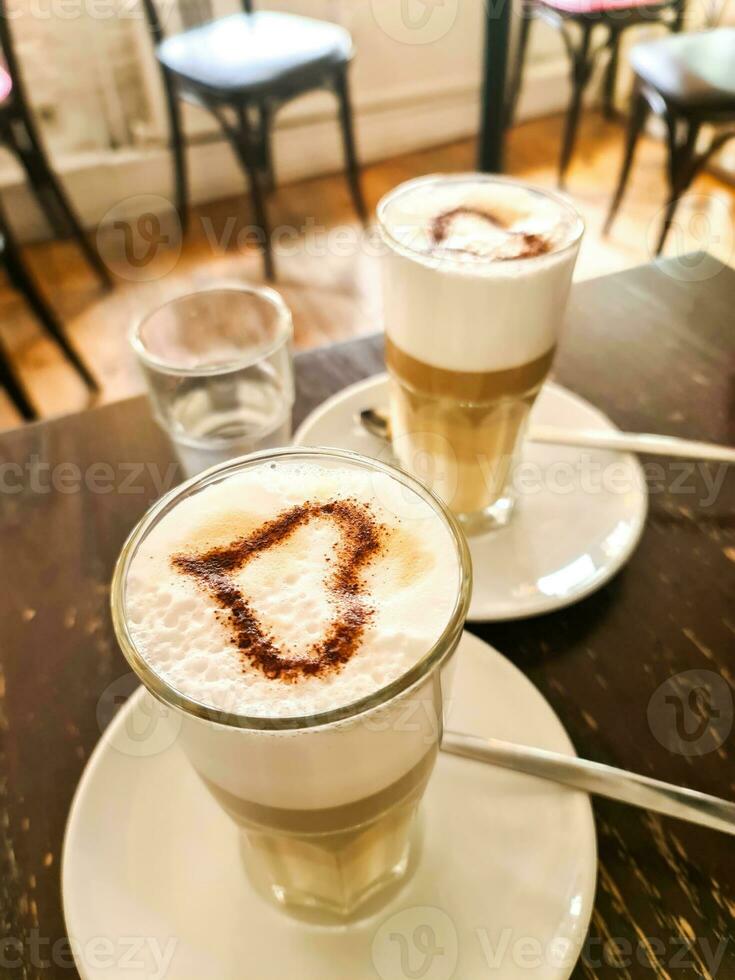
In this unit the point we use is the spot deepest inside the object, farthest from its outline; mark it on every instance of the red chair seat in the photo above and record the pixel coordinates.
(592, 7)
(6, 84)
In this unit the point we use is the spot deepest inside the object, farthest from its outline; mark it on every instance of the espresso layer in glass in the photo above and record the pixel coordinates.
(461, 429)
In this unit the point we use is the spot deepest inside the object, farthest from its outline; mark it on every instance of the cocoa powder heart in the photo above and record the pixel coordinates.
(526, 244)
(361, 539)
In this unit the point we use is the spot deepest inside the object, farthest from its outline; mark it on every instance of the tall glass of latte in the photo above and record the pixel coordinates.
(476, 277)
(295, 610)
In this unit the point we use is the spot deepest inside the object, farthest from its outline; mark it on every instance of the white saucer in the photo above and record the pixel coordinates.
(574, 527)
(506, 872)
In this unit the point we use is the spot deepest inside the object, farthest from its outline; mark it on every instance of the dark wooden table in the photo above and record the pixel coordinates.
(651, 349)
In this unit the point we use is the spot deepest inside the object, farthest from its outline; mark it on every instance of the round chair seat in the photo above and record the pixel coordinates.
(695, 71)
(247, 52)
(582, 8)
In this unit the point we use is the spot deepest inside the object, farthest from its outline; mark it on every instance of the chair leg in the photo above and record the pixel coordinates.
(33, 156)
(269, 176)
(516, 76)
(247, 154)
(348, 139)
(638, 113)
(25, 284)
(580, 74)
(681, 169)
(678, 22)
(16, 143)
(15, 390)
(611, 77)
(178, 150)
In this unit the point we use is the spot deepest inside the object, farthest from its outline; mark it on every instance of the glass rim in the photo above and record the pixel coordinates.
(284, 335)
(468, 260)
(167, 694)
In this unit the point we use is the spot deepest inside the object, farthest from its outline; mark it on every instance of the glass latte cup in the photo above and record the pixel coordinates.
(476, 275)
(295, 610)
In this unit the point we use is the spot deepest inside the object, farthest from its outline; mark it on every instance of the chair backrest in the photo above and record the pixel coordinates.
(192, 13)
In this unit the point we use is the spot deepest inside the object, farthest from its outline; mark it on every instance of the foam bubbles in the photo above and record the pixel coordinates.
(411, 588)
(410, 218)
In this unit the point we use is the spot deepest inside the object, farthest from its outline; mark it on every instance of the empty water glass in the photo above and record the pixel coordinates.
(219, 372)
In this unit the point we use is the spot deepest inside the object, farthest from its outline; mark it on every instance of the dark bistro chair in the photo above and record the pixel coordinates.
(688, 80)
(243, 68)
(615, 16)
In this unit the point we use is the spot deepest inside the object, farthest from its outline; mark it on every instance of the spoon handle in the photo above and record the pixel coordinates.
(377, 423)
(636, 442)
(594, 777)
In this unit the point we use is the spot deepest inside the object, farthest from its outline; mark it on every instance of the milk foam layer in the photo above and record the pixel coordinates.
(467, 301)
(477, 220)
(410, 587)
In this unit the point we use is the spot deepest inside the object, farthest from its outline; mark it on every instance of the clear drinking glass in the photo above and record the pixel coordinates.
(219, 372)
(362, 767)
(469, 341)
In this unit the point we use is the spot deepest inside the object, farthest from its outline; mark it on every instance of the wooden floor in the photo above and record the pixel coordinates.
(327, 275)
